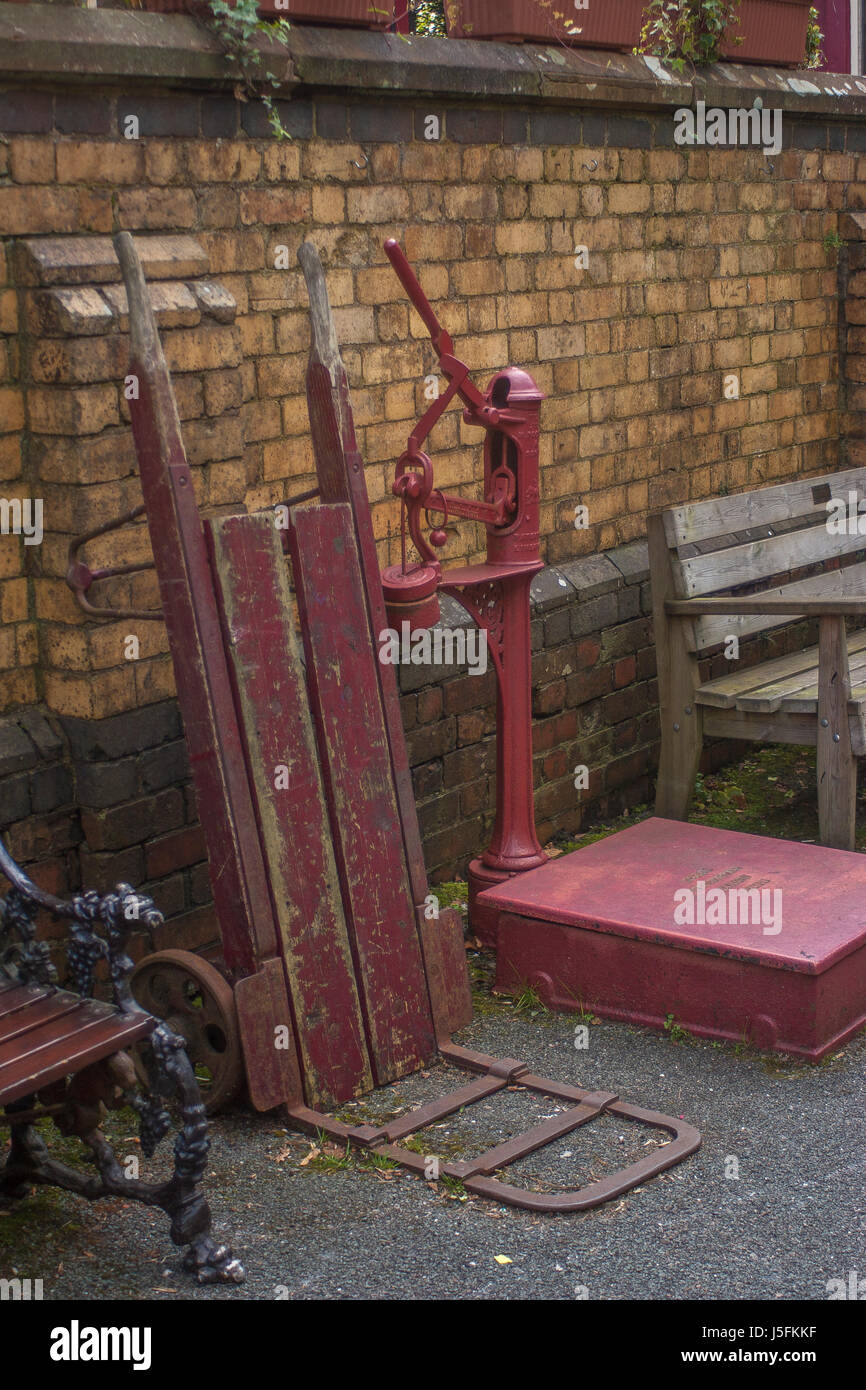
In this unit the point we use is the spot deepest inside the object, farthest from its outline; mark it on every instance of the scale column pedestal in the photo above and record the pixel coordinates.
(501, 606)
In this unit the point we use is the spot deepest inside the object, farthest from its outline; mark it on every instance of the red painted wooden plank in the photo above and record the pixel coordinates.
(273, 1072)
(204, 691)
(353, 744)
(237, 869)
(252, 577)
(340, 471)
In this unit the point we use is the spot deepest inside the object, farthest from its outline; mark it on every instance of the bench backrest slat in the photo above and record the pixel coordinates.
(693, 522)
(762, 559)
(708, 632)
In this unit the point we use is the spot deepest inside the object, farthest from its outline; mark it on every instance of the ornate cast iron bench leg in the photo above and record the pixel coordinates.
(63, 1055)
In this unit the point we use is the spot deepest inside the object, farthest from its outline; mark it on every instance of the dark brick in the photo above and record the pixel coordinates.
(837, 136)
(475, 797)
(105, 871)
(557, 628)
(332, 120)
(548, 699)
(587, 685)
(467, 764)
(106, 784)
(177, 114)
(452, 848)
(624, 704)
(191, 932)
(432, 741)
(806, 135)
(26, 112)
(220, 116)
(169, 894)
(92, 739)
(555, 128)
(439, 814)
(627, 769)
(590, 617)
(82, 114)
(175, 851)
(514, 127)
(200, 888)
(468, 127)
(855, 138)
(296, 118)
(594, 129)
(135, 822)
(51, 788)
(430, 704)
(16, 749)
(384, 121)
(427, 779)
(663, 133)
(14, 799)
(36, 726)
(163, 767)
(629, 132)
(470, 692)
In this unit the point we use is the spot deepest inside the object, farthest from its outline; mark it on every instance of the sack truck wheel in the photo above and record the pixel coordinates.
(195, 1000)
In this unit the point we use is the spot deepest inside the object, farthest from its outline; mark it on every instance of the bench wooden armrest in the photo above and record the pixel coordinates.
(793, 607)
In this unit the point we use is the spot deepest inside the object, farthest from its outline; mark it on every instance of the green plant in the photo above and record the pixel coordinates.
(687, 32)
(427, 17)
(675, 1031)
(238, 27)
(833, 242)
(814, 38)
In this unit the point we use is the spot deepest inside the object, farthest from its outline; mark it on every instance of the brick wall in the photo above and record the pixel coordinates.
(702, 262)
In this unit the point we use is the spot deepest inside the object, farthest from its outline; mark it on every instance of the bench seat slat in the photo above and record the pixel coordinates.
(767, 686)
(720, 516)
(725, 691)
(86, 1031)
(18, 1023)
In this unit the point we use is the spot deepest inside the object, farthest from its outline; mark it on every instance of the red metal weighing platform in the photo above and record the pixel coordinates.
(602, 929)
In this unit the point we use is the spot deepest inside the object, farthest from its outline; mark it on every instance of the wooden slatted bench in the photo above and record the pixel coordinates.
(64, 1056)
(735, 566)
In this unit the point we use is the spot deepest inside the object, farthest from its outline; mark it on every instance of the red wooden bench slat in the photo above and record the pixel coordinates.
(65, 1043)
(19, 1022)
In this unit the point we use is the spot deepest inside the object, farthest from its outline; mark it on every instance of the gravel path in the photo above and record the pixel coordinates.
(794, 1219)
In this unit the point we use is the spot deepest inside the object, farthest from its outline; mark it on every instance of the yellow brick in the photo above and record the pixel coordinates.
(83, 411)
(522, 238)
(11, 409)
(32, 161)
(377, 204)
(322, 160)
(329, 203)
(281, 162)
(17, 688)
(100, 161)
(154, 680)
(14, 601)
(7, 649)
(224, 161)
(478, 277)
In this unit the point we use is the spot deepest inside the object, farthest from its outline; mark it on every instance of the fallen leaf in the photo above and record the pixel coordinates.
(314, 1153)
(503, 1260)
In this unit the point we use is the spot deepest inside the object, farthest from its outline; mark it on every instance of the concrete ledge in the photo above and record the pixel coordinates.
(176, 49)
